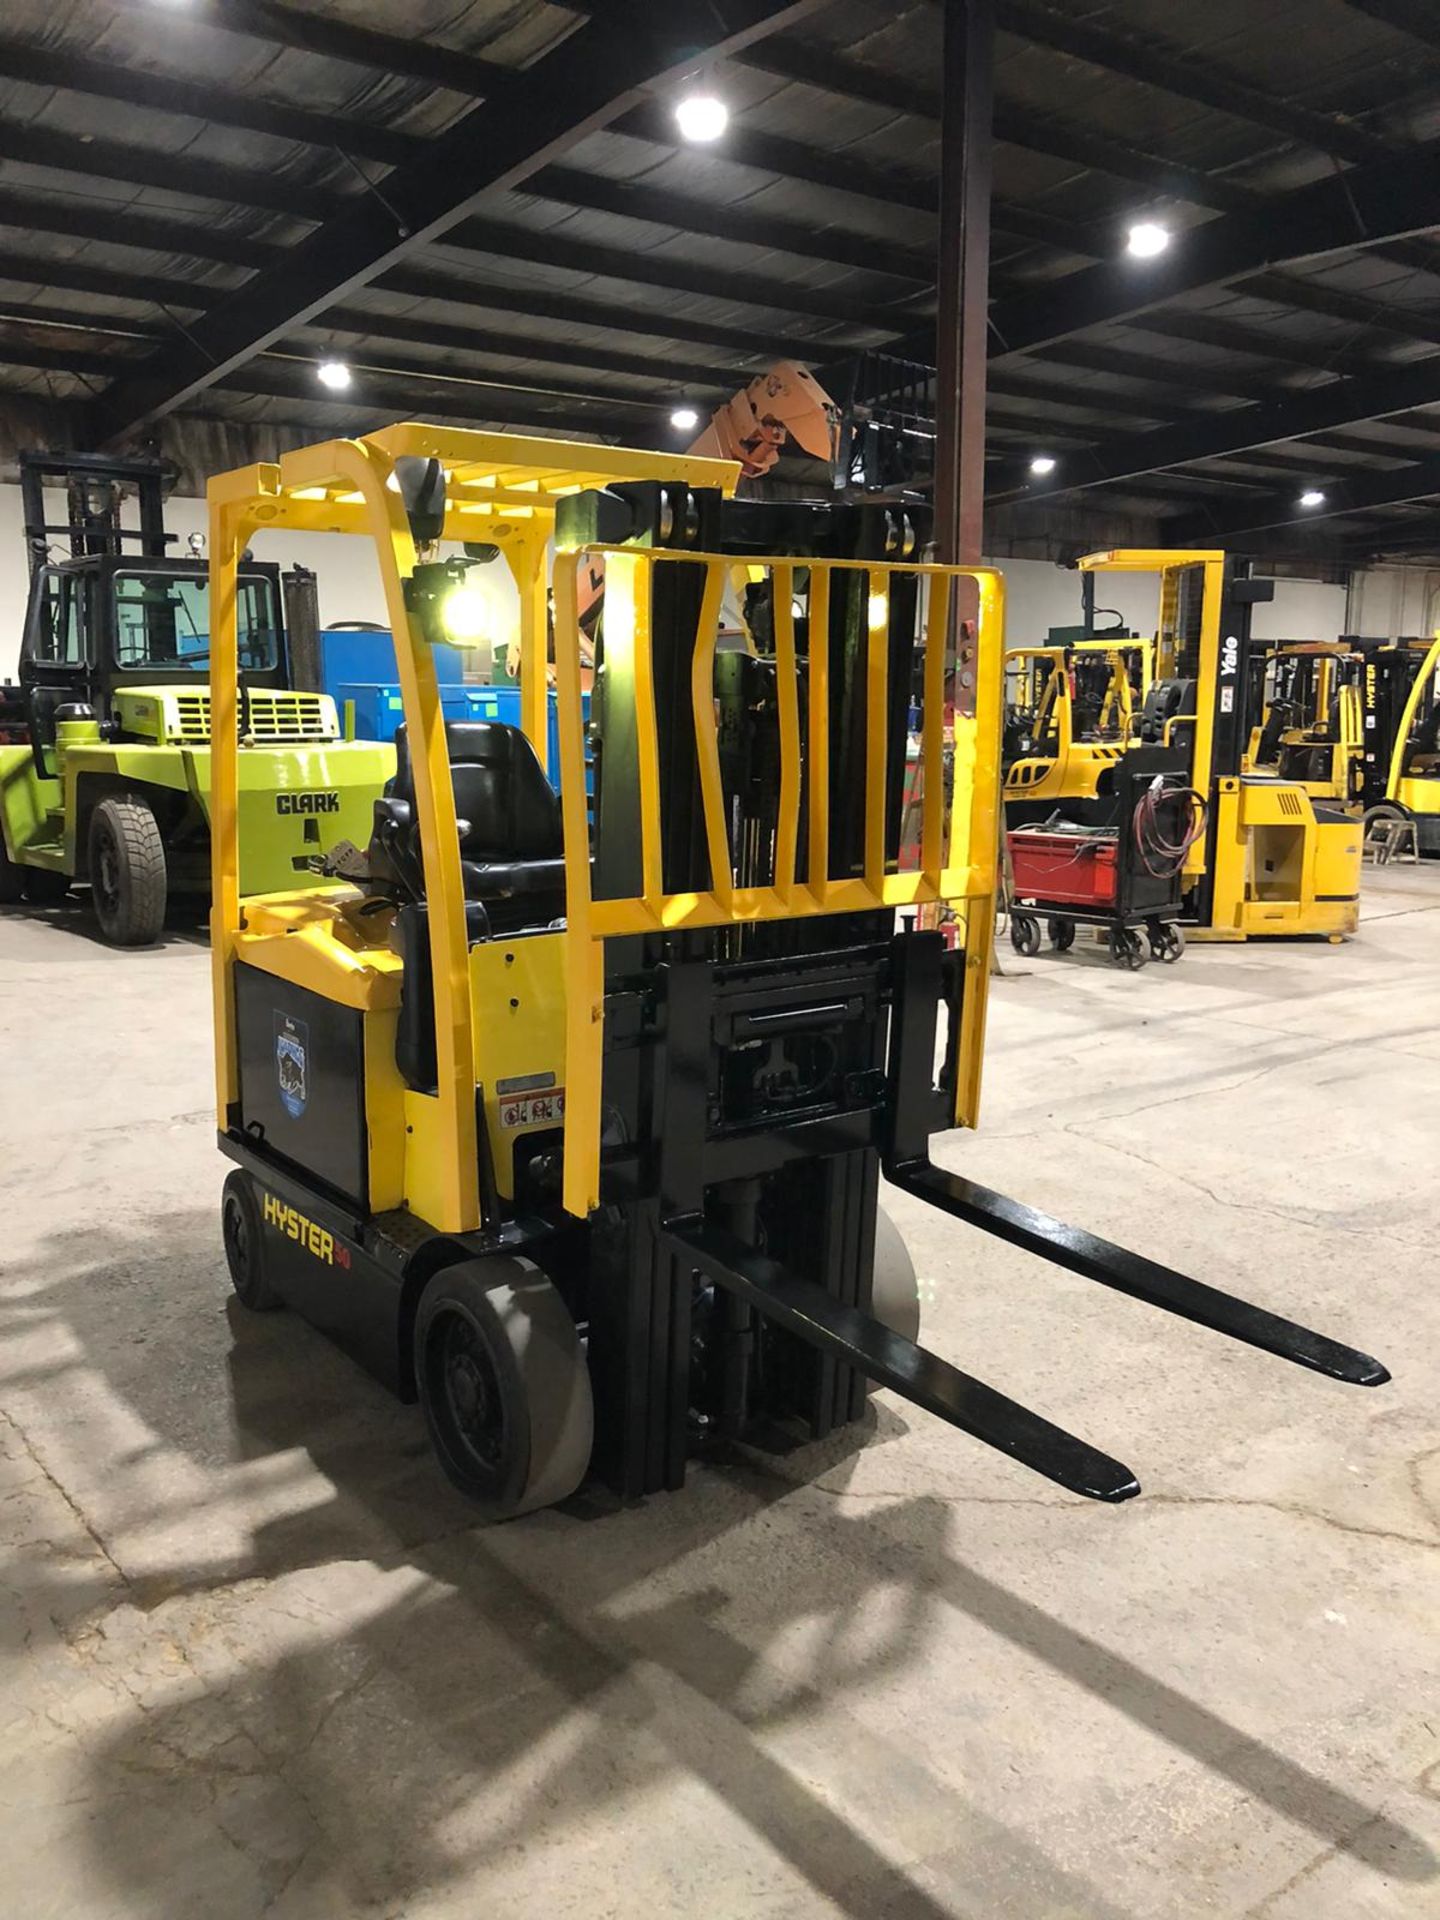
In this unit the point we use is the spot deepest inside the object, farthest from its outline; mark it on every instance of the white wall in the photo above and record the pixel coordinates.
(1390, 601)
(1039, 595)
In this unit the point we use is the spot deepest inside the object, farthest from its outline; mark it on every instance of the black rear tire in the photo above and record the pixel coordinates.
(1062, 934)
(127, 871)
(503, 1385)
(244, 1236)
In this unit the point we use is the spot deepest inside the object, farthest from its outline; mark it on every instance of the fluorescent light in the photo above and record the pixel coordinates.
(1146, 240)
(1312, 497)
(333, 374)
(1042, 464)
(701, 117)
(684, 419)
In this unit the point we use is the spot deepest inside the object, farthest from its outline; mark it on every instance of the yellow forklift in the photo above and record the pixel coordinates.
(1271, 859)
(1400, 691)
(569, 1123)
(1071, 708)
(1309, 729)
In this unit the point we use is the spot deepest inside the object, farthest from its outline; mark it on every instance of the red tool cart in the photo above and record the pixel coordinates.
(1123, 874)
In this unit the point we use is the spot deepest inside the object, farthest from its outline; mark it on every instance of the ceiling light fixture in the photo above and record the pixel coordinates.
(333, 374)
(684, 419)
(1042, 464)
(1147, 239)
(1312, 497)
(702, 117)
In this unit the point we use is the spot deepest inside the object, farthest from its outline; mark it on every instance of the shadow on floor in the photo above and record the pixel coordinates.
(481, 1702)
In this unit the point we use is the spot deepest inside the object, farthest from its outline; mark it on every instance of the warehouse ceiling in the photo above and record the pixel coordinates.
(482, 207)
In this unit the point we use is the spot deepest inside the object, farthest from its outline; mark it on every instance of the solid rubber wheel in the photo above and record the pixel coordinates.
(1167, 943)
(12, 879)
(1062, 934)
(44, 887)
(503, 1385)
(1024, 933)
(244, 1237)
(127, 871)
(895, 1295)
(1127, 949)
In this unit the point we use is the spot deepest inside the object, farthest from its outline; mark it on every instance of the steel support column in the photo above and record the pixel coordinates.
(961, 322)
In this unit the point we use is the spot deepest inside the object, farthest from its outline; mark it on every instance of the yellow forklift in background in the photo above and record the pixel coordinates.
(569, 1123)
(1071, 708)
(1305, 696)
(1400, 691)
(1271, 859)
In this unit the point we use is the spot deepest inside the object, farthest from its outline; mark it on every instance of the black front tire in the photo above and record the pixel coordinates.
(244, 1236)
(503, 1385)
(127, 871)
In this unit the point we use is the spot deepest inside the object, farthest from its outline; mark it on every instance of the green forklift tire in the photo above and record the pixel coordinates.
(503, 1385)
(127, 871)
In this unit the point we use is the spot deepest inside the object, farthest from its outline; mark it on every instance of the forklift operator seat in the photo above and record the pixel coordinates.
(1168, 700)
(511, 838)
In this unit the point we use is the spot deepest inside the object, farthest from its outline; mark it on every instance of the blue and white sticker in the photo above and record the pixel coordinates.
(292, 1068)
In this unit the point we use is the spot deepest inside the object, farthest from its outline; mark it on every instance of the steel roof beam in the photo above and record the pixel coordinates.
(661, 208)
(1421, 481)
(469, 339)
(413, 55)
(78, 276)
(846, 173)
(588, 82)
(272, 192)
(557, 247)
(77, 220)
(1016, 125)
(1185, 75)
(132, 87)
(540, 303)
(1383, 200)
(1417, 18)
(1342, 404)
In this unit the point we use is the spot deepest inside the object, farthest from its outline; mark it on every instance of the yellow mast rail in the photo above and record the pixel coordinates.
(967, 875)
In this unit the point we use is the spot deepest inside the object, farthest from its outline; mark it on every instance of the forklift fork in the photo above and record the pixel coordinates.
(816, 1317)
(1101, 1260)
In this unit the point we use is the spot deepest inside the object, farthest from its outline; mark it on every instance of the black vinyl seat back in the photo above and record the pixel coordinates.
(1167, 700)
(512, 842)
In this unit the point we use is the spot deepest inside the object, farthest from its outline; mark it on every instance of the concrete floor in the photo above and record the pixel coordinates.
(259, 1661)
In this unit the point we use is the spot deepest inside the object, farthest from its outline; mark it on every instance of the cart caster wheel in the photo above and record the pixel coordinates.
(1024, 933)
(244, 1237)
(1167, 943)
(1062, 934)
(895, 1295)
(1127, 949)
(503, 1385)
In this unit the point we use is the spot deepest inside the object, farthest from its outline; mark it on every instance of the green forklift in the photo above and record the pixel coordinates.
(105, 742)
